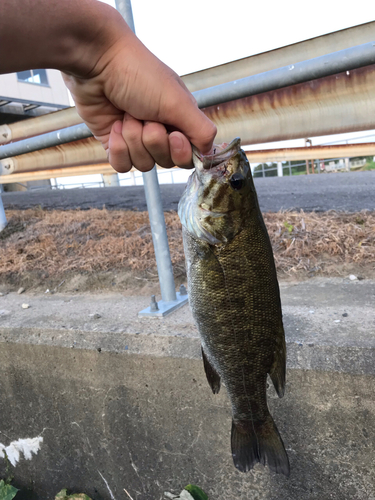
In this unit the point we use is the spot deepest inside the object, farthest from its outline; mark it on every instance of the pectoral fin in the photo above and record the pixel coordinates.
(212, 376)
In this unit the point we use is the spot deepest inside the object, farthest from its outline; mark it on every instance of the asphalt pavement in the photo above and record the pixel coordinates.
(351, 191)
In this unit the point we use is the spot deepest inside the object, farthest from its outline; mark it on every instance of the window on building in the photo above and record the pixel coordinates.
(38, 76)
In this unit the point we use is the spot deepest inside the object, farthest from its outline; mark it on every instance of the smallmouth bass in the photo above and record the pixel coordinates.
(235, 299)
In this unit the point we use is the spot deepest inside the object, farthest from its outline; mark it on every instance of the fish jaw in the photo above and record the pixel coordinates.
(221, 153)
(211, 209)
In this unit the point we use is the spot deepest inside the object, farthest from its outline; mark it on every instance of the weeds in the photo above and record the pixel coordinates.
(55, 242)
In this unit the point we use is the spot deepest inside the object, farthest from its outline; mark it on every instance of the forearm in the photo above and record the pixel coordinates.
(68, 35)
(134, 104)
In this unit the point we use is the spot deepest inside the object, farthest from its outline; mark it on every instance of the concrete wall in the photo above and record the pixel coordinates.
(152, 425)
(127, 398)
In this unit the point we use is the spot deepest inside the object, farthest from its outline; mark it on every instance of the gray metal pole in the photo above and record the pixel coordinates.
(319, 67)
(110, 180)
(3, 219)
(279, 169)
(159, 235)
(62, 136)
(125, 9)
(154, 204)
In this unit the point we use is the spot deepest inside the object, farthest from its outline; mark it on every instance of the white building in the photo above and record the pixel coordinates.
(31, 93)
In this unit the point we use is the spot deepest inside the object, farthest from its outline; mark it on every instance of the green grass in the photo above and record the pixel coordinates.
(369, 165)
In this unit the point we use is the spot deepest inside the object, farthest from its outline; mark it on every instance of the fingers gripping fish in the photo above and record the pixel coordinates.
(234, 296)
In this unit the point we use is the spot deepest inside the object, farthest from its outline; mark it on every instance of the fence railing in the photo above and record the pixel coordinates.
(289, 168)
(72, 185)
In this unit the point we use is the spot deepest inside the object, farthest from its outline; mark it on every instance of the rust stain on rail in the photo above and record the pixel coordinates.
(339, 103)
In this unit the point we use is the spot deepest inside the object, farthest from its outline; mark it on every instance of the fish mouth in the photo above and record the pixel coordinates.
(221, 154)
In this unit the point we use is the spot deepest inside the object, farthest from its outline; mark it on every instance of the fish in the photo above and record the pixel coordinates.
(235, 299)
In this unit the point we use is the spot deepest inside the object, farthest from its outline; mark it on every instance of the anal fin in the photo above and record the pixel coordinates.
(212, 376)
(278, 370)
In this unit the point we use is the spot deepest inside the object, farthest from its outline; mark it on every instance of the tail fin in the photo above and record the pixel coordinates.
(261, 442)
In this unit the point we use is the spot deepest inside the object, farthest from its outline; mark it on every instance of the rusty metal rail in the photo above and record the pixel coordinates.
(37, 175)
(83, 152)
(260, 156)
(39, 125)
(314, 69)
(312, 153)
(252, 65)
(333, 105)
(282, 56)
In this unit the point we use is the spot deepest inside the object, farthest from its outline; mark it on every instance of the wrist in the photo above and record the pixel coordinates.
(88, 39)
(68, 35)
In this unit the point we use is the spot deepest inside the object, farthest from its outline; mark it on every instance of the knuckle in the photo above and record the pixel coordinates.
(209, 131)
(145, 165)
(120, 166)
(132, 131)
(214, 130)
(120, 163)
(166, 163)
(117, 148)
(152, 136)
(132, 135)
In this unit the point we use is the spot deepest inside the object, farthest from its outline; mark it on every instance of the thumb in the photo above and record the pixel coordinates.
(203, 133)
(199, 129)
(192, 122)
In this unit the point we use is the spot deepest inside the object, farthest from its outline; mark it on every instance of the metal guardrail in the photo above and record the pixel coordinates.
(320, 166)
(3, 219)
(265, 170)
(83, 185)
(330, 156)
(319, 67)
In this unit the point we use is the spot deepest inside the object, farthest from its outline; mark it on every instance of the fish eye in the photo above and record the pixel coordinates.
(236, 181)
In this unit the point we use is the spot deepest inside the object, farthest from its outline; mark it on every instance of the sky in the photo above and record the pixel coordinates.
(197, 34)
(192, 35)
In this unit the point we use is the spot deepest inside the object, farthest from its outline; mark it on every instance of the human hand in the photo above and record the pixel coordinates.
(138, 108)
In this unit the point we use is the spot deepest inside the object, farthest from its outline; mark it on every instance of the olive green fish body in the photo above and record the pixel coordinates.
(234, 297)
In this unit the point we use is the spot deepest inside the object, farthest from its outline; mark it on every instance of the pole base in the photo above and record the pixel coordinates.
(164, 308)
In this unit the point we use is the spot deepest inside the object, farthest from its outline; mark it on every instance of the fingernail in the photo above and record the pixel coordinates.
(117, 127)
(176, 143)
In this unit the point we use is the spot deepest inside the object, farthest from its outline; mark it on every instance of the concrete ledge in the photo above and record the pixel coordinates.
(128, 398)
(319, 337)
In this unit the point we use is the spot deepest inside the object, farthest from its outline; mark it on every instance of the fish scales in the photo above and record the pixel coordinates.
(235, 300)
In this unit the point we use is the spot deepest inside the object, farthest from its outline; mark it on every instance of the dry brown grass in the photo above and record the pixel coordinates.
(318, 241)
(100, 240)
